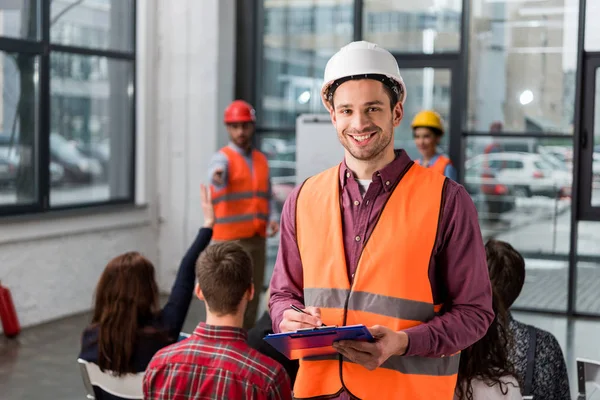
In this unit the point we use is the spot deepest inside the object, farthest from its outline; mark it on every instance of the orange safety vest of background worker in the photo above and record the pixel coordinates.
(241, 194)
(391, 287)
(242, 207)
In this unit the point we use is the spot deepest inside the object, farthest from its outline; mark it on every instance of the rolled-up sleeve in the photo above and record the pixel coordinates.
(287, 282)
(463, 278)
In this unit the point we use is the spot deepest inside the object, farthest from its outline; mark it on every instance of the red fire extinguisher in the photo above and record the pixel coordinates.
(8, 314)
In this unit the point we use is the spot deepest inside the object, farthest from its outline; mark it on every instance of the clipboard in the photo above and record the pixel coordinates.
(316, 341)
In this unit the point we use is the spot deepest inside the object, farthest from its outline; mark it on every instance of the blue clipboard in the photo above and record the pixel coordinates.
(316, 341)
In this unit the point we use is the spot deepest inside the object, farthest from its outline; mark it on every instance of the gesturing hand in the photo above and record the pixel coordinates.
(217, 177)
(207, 207)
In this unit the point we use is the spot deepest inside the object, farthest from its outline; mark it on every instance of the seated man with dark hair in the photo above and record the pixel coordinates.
(215, 362)
(536, 355)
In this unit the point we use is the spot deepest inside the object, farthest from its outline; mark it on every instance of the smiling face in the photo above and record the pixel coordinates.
(365, 120)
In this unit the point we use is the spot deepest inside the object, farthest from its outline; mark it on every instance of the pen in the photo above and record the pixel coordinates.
(293, 307)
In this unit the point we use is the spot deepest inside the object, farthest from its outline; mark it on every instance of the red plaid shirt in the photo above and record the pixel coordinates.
(214, 363)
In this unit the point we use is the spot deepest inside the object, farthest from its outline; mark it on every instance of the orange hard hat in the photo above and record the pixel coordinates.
(239, 111)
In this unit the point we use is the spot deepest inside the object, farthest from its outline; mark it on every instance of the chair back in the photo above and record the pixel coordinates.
(126, 387)
(588, 376)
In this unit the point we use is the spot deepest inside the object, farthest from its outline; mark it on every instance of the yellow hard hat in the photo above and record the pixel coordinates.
(428, 119)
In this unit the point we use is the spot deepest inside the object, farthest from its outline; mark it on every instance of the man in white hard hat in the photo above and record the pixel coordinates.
(381, 241)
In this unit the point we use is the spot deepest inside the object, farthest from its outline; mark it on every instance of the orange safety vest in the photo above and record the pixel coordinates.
(439, 165)
(391, 287)
(242, 206)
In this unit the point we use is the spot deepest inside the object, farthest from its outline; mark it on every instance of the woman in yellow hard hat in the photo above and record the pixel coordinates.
(427, 132)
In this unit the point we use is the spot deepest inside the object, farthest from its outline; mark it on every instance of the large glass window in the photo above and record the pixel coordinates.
(516, 145)
(66, 117)
(413, 26)
(523, 57)
(299, 38)
(20, 19)
(91, 117)
(99, 24)
(19, 122)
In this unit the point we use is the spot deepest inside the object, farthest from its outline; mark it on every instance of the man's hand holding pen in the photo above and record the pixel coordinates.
(295, 319)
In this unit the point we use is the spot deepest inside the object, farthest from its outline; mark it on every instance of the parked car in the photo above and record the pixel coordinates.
(491, 197)
(57, 174)
(527, 174)
(98, 150)
(10, 159)
(77, 167)
(8, 172)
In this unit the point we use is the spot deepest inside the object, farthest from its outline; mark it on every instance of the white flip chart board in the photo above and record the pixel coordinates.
(317, 145)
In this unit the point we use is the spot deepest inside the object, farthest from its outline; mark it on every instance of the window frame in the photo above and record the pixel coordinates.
(43, 48)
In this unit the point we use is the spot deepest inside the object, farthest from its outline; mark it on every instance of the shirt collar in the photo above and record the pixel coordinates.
(213, 332)
(239, 149)
(390, 173)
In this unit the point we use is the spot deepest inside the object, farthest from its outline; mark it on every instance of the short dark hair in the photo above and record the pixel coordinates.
(224, 273)
(392, 89)
(507, 270)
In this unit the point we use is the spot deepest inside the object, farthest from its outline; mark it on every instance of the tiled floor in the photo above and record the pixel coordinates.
(41, 362)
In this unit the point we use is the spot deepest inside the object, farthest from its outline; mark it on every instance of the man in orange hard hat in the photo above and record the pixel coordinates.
(241, 194)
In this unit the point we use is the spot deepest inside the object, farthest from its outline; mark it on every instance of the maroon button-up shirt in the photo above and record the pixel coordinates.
(458, 270)
(215, 363)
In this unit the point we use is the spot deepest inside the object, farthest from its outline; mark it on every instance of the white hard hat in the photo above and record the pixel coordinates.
(362, 59)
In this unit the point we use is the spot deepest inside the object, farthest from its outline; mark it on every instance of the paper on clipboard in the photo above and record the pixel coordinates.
(316, 341)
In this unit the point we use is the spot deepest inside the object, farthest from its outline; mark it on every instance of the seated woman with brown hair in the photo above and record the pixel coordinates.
(127, 326)
(485, 372)
(537, 357)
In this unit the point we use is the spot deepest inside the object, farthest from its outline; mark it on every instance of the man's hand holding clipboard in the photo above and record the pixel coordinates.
(369, 354)
(372, 354)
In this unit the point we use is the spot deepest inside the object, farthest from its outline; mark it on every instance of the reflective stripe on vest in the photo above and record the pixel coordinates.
(242, 207)
(390, 287)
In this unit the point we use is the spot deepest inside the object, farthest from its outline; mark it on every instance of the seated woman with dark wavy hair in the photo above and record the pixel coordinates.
(128, 327)
(485, 372)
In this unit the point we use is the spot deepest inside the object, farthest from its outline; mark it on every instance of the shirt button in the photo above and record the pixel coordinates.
(387, 183)
(357, 238)
(378, 174)
(347, 174)
(356, 202)
(367, 202)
